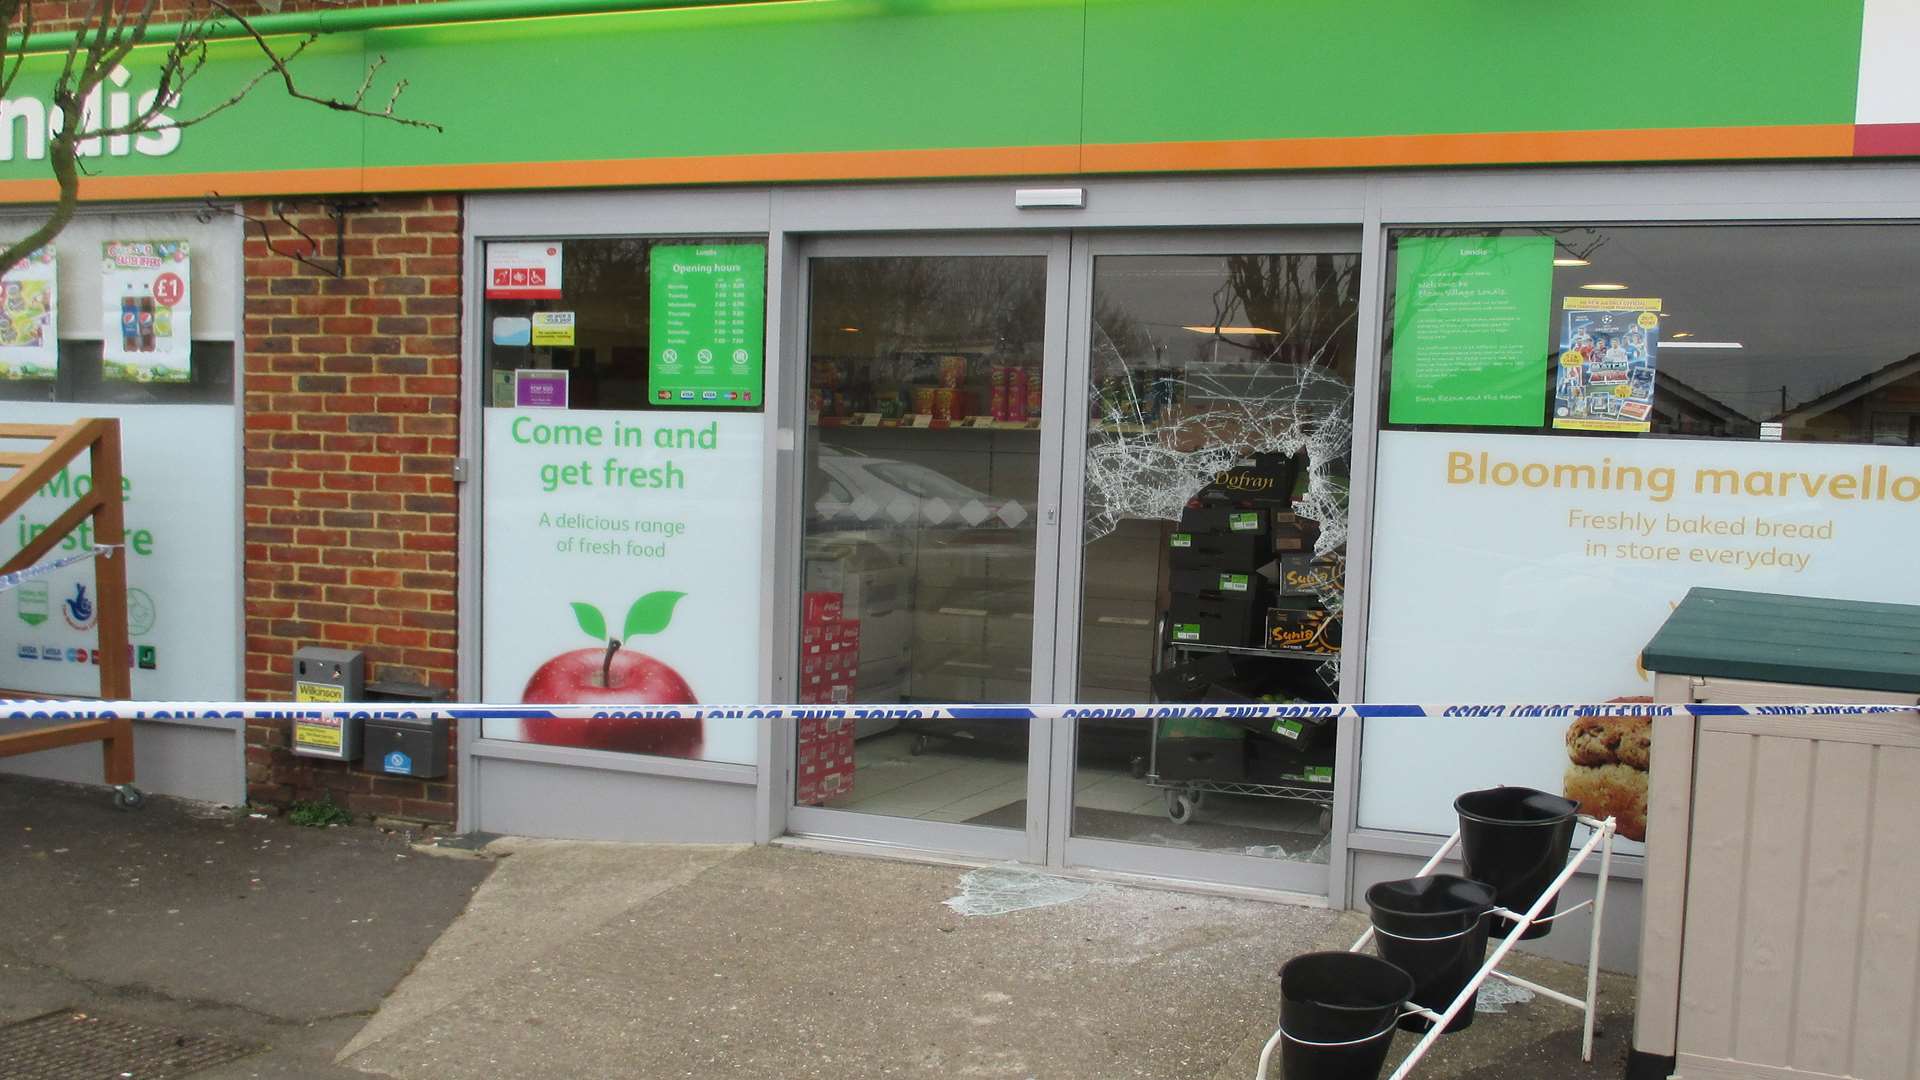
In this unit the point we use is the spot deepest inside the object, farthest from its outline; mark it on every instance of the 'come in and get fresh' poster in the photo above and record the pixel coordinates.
(622, 568)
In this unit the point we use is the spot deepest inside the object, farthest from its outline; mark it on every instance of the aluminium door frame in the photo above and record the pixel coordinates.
(1306, 879)
(1030, 844)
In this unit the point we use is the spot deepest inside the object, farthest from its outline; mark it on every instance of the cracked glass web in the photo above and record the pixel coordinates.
(1162, 433)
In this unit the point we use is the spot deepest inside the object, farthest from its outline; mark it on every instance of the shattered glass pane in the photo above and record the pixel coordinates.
(1000, 890)
(1220, 391)
(1173, 407)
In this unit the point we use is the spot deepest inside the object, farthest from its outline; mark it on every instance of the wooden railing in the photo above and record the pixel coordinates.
(103, 504)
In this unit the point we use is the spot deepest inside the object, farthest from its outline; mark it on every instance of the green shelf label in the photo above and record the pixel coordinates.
(1186, 632)
(1244, 522)
(1182, 540)
(1233, 583)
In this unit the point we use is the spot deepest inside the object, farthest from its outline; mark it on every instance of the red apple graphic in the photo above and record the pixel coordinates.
(615, 677)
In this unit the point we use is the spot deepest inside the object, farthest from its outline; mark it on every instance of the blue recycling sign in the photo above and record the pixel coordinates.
(397, 762)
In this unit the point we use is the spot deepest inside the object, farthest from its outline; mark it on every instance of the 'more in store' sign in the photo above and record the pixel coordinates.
(27, 122)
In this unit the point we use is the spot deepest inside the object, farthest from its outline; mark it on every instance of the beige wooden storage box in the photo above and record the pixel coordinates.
(1780, 934)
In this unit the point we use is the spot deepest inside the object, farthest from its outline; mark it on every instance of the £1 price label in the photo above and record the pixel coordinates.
(169, 289)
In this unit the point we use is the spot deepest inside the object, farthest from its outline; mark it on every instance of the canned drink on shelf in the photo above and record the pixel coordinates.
(953, 372)
(997, 401)
(923, 400)
(1021, 396)
(943, 403)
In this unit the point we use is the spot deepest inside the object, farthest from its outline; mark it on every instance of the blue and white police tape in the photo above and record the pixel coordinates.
(267, 712)
(21, 577)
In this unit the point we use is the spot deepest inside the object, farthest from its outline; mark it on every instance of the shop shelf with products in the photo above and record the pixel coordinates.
(1245, 607)
(960, 385)
(921, 422)
(1289, 759)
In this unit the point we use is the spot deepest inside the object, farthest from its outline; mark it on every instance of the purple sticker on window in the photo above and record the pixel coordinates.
(540, 389)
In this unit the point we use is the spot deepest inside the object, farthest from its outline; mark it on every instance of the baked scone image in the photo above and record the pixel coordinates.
(1608, 757)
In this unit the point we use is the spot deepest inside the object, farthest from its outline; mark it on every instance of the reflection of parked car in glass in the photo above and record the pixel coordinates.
(856, 491)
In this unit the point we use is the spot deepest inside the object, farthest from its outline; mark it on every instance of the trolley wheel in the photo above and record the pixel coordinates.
(1138, 766)
(1180, 807)
(919, 745)
(128, 797)
(1326, 819)
(1199, 799)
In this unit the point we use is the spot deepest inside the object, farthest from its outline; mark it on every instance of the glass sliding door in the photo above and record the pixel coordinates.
(1184, 405)
(1215, 385)
(926, 510)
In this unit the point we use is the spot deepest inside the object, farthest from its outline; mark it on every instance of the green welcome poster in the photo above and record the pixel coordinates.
(1470, 330)
(707, 325)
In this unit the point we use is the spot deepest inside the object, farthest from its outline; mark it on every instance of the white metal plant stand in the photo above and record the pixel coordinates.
(1602, 841)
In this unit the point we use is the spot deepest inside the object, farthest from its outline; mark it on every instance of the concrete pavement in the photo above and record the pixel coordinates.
(560, 959)
(208, 920)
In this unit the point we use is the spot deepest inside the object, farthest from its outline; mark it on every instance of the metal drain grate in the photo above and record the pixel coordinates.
(81, 1046)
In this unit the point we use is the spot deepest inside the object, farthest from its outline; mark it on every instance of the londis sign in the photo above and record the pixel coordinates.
(26, 123)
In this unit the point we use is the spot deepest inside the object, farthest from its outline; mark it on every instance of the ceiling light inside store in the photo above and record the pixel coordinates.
(1604, 286)
(1681, 334)
(1702, 345)
(1230, 330)
(849, 329)
(1571, 262)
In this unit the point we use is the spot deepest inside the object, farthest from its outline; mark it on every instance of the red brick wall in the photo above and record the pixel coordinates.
(352, 426)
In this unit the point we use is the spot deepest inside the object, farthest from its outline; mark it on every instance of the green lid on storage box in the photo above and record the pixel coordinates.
(1803, 640)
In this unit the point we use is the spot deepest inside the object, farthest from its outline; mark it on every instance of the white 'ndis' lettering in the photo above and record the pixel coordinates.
(25, 123)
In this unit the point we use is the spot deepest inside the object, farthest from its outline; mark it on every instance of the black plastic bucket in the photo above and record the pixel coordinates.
(1337, 1015)
(1435, 929)
(1516, 839)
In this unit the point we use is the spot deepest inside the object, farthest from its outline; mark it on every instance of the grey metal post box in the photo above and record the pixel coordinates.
(332, 677)
(406, 746)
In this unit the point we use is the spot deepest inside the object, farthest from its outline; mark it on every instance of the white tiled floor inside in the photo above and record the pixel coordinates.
(950, 781)
(957, 780)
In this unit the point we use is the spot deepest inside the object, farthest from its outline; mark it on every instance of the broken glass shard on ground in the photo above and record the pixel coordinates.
(1497, 994)
(1000, 890)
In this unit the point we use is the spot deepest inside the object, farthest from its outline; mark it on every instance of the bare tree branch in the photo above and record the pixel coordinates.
(354, 104)
(335, 209)
(10, 10)
(111, 30)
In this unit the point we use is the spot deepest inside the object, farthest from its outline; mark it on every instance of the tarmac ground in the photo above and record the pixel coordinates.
(352, 951)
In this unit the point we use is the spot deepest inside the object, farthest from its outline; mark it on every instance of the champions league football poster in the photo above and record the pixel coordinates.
(1607, 364)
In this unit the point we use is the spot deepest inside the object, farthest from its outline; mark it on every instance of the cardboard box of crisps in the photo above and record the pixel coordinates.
(1309, 630)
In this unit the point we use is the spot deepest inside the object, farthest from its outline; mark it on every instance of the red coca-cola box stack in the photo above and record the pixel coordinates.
(829, 651)
(829, 666)
(824, 765)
